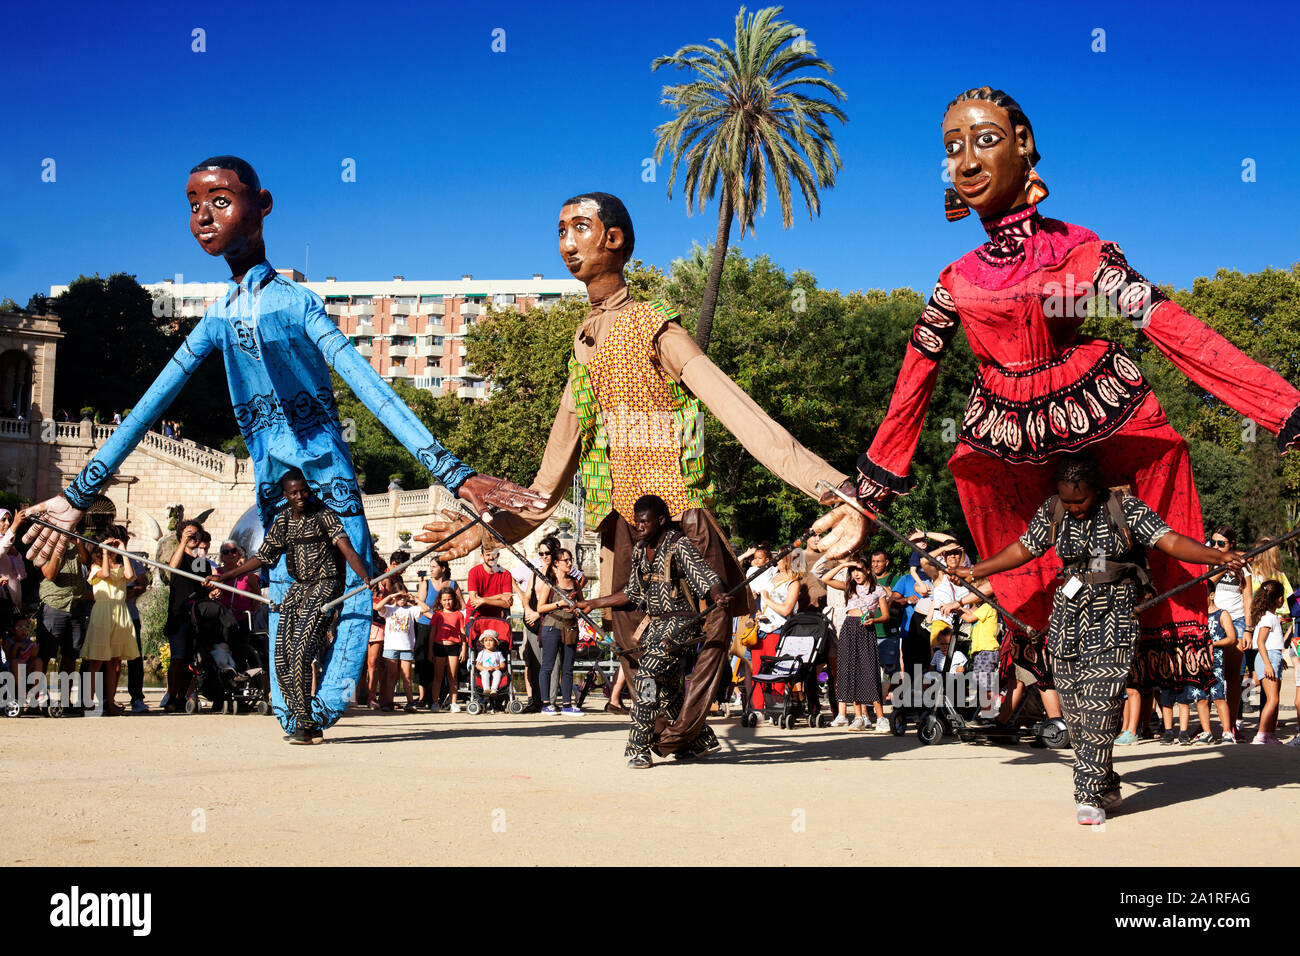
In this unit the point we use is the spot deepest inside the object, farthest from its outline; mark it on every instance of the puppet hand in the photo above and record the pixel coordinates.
(47, 543)
(458, 546)
(484, 491)
(841, 531)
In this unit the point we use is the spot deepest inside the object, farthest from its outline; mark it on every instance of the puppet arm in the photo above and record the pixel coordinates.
(1200, 353)
(66, 510)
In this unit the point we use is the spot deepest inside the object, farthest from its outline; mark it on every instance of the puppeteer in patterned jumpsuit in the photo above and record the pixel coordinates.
(1093, 632)
(668, 588)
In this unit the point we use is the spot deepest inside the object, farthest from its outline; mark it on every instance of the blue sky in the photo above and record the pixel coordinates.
(463, 155)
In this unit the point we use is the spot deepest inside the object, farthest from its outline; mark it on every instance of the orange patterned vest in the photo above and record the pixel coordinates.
(640, 432)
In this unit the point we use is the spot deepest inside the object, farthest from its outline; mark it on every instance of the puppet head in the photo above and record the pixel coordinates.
(596, 237)
(227, 206)
(989, 144)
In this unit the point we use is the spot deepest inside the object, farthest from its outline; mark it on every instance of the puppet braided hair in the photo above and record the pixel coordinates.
(1078, 468)
(998, 98)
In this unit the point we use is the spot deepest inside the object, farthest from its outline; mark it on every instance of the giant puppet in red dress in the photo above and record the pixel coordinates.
(1042, 388)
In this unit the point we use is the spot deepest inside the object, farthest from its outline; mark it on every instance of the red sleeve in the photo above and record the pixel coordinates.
(883, 469)
(1200, 353)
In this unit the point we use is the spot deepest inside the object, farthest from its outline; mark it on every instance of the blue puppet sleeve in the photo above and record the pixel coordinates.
(379, 397)
(154, 402)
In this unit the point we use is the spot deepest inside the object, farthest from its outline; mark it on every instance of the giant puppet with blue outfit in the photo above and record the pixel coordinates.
(278, 346)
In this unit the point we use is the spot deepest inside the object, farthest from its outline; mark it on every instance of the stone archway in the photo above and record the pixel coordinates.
(15, 384)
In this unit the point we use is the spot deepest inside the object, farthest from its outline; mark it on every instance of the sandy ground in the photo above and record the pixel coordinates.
(449, 788)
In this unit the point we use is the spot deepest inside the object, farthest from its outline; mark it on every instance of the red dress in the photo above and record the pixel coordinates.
(1041, 389)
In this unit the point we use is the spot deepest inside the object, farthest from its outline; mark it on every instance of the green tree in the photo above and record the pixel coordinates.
(746, 116)
(114, 346)
(8, 305)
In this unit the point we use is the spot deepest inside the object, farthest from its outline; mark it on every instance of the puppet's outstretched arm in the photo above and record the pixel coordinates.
(66, 510)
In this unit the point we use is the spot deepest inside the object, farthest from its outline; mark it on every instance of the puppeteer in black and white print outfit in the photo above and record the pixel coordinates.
(669, 590)
(1093, 629)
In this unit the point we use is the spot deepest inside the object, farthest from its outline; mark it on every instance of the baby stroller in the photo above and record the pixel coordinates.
(229, 666)
(479, 699)
(790, 679)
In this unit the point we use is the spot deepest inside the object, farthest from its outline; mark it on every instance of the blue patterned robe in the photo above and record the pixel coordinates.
(276, 340)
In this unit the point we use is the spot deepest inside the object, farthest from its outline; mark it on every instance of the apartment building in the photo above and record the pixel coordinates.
(412, 330)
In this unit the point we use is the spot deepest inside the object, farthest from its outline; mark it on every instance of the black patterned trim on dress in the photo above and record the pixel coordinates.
(83, 488)
(1103, 399)
(1174, 656)
(878, 486)
(304, 410)
(1290, 433)
(937, 324)
(446, 468)
(1128, 292)
(1007, 235)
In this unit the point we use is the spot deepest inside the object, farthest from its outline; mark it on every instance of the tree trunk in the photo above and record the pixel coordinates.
(704, 329)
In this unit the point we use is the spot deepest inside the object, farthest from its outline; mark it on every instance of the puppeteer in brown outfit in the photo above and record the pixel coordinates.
(631, 420)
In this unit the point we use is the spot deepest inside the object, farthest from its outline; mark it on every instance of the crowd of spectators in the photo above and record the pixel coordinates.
(430, 637)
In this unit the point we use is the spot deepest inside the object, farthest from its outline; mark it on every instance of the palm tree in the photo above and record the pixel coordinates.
(744, 116)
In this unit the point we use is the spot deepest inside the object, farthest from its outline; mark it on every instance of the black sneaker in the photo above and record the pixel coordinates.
(316, 734)
(1184, 738)
(640, 762)
(1168, 737)
(303, 735)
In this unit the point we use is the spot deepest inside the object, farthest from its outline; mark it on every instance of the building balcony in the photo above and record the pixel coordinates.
(400, 351)
(471, 308)
(399, 326)
(367, 350)
(335, 310)
(469, 391)
(431, 351)
(431, 308)
(366, 310)
(399, 371)
(365, 327)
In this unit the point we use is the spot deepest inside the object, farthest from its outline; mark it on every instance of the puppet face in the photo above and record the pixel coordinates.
(225, 215)
(988, 157)
(588, 249)
(1078, 499)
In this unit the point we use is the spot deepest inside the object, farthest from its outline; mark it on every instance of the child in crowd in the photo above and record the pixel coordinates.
(1268, 644)
(447, 646)
(490, 664)
(400, 609)
(940, 639)
(1217, 691)
(373, 675)
(984, 647)
(110, 637)
(22, 652)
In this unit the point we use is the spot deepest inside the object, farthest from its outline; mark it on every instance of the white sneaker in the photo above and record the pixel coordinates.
(456, 708)
(840, 721)
(1293, 742)
(859, 723)
(882, 725)
(1089, 816)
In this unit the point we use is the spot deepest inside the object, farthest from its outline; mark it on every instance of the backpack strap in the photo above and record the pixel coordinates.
(1115, 517)
(1057, 511)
